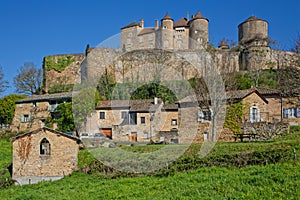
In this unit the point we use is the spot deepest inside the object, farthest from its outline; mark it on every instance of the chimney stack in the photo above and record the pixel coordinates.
(156, 23)
(141, 23)
(155, 100)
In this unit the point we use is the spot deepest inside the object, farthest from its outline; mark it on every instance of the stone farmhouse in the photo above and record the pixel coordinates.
(43, 155)
(32, 112)
(136, 120)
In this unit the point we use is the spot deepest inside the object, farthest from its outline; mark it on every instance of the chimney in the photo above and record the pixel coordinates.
(141, 23)
(155, 100)
(156, 23)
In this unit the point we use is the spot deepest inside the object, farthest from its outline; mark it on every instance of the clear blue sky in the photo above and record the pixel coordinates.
(32, 29)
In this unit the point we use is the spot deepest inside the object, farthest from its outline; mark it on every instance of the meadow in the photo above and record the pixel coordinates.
(256, 170)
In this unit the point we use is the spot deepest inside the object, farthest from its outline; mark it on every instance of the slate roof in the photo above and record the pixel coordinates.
(44, 129)
(47, 97)
(132, 24)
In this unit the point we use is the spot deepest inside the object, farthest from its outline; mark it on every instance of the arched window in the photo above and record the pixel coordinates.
(45, 147)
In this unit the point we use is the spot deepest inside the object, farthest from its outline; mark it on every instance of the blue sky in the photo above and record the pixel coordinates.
(33, 29)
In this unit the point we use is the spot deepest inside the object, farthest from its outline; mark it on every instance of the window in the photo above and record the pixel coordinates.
(254, 114)
(143, 120)
(124, 114)
(25, 118)
(291, 113)
(102, 115)
(20, 105)
(34, 104)
(204, 115)
(174, 122)
(45, 147)
(145, 135)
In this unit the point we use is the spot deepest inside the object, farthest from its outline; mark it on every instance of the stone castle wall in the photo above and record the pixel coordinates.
(61, 70)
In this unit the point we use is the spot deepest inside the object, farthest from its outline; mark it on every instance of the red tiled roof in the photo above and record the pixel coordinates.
(181, 23)
(223, 43)
(167, 16)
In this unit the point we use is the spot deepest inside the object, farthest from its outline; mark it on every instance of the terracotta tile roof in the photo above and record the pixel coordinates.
(223, 43)
(132, 24)
(47, 97)
(181, 23)
(44, 129)
(167, 16)
(147, 31)
(198, 16)
(266, 91)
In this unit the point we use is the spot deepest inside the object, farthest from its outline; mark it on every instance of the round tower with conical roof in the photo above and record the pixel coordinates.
(253, 32)
(198, 32)
(166, 33)
(167, 22)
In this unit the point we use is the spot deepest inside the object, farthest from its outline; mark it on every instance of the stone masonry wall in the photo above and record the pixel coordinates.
(27, 161)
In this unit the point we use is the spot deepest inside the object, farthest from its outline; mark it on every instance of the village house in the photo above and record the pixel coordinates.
(43, 155)
(256, 109)
(32, 112)
(291, 107)
(153, 120)
(135, 120)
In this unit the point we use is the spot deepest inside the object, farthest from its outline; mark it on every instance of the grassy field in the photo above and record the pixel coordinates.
(247, 174)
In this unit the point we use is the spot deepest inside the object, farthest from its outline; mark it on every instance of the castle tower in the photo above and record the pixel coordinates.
(167, 22)
(198, 32)
(253, 32)
(165, 39)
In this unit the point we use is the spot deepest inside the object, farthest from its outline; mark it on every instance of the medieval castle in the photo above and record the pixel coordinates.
(184, 35)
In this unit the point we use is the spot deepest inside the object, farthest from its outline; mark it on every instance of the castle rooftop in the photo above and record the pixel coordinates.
(167, 16)
(181, 23)
(132, 24)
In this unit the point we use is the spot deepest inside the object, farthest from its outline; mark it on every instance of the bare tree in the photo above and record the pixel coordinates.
(3, 83)
(29, 79)
(296, 47)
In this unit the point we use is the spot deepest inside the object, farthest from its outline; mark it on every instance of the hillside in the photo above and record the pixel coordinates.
(247, 174)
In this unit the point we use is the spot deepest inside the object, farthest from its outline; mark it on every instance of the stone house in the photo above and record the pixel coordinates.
(192, 116)
(31, 112)
(135, 120)
(291, 107)
(42, 155)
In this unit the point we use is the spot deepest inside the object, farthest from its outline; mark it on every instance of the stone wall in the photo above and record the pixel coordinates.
(37, 113)
(27, 161)
(70, 74)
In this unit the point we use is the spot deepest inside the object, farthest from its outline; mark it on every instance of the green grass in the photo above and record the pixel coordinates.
(279, 181)
(278, 178)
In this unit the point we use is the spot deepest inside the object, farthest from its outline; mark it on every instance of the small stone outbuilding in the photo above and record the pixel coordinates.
(43, 155)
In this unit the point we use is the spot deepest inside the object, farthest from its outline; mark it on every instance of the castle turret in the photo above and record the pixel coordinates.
(198, 32)
(253, 32)
(167, 22)
(165, 39)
